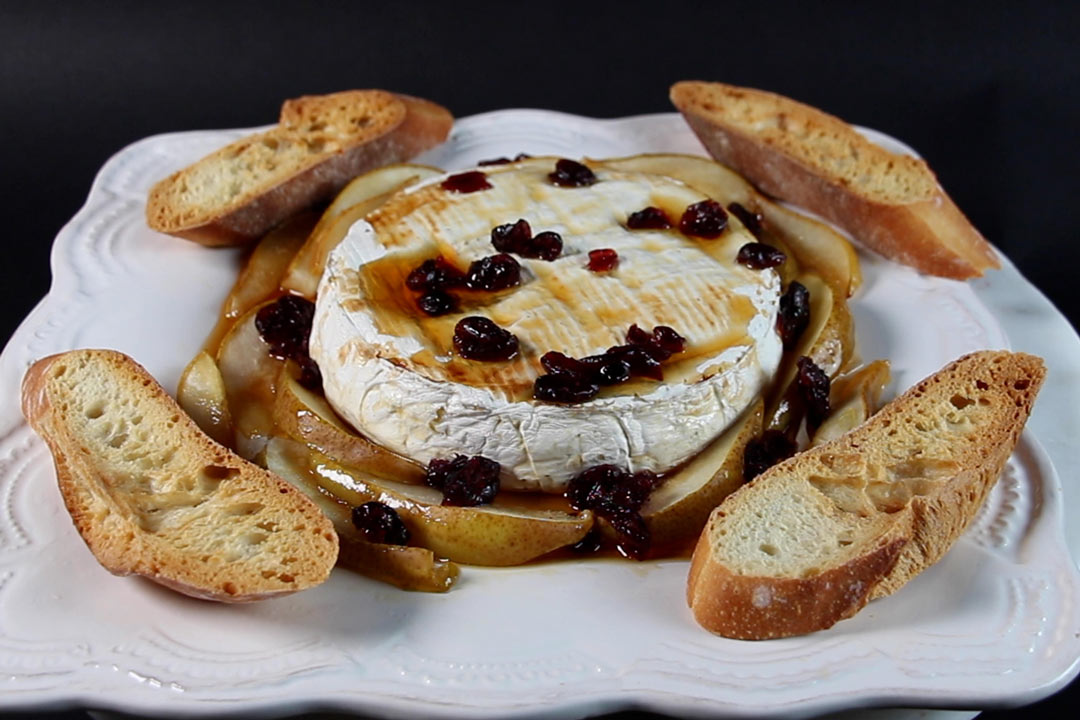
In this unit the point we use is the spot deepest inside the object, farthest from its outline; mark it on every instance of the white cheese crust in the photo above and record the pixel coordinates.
(374, 380)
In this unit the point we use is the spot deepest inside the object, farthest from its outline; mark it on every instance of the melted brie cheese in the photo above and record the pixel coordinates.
(391, 371)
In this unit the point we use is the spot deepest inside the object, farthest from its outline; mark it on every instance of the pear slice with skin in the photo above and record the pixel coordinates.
(854, 397)
(201, 394)
(261, 276)
(249, 374)
(829, 340)
(360, 197)
(816, 246)
(493, 535)
(676, 512)
(308, 418)
(404, 566)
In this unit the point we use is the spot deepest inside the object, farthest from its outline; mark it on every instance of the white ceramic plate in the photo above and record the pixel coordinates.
(994, 623)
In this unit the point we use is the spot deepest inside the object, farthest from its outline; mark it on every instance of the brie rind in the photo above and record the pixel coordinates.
(403, 388)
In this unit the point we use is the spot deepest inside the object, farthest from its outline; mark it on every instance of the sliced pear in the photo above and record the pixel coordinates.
(829, 340)
(261, 276)
(361, 196)
(406, 567)
(249, 374)
(676, 512)
(307, 417)
(711, 178)
(854, 397)
(815, 245)
(494, 535)
(201, 394)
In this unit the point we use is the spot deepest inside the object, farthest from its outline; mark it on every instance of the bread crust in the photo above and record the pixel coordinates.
(102, 511)
(930, 234)
(415, 125)
(899, 541)
(756, 608)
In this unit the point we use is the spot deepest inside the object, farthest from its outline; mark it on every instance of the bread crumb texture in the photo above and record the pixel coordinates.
(152, 495)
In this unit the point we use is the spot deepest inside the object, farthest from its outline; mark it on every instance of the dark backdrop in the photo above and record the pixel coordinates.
(987, 92)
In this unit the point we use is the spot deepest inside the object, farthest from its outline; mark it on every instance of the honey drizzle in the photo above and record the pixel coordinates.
(378, 288)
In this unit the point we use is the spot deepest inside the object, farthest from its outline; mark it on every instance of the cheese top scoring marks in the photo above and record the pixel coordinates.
(391, 370)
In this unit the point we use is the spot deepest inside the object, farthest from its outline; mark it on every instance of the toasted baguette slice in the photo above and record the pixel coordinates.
(891, 203)
(152, 495)
(811, 540)
(238, 193)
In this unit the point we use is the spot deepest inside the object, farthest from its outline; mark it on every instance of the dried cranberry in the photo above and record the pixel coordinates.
(763, 452)
(380, 523)
(556, 363)
(641, 363)
(813, 386)
(661, 343)
(434, 274)
(495, 272)
(439, 469)
(759, 256)
(437, 303)
(617, 496)
(603, 260)
(632, 536)
(705, 219)
(794, 315)
(575, 380)
(518, 238)
(752, 220)
(465, 481)
(503, 160)
(636, 336)
(588, 544)
(651, 218)
(478, 338)
(668, 339)
(466, 182)
(627, 495)
(569, 389)
(610, 490)
(569, 173)
(310, 375)
(511, 237)
(546, 246)
(582, 491)
(285, 326)
(607, 369)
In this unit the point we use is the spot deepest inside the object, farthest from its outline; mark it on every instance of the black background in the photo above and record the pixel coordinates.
(987, 92)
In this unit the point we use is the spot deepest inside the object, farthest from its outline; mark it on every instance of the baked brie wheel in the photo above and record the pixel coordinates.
(393, 372)
(635, 264)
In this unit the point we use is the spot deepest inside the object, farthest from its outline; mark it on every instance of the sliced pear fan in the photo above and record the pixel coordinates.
(262, 274)
(249, 374)
(406, 567)
(201, 394)
(308, 418)
(854, 397)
